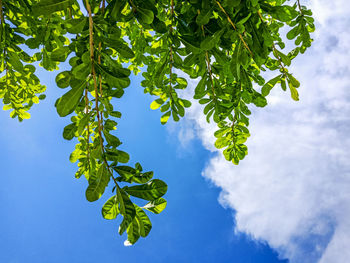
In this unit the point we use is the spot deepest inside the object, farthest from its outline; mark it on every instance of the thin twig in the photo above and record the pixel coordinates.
(208, 64)
(5, 48)
(103, 5)
(300, 9)
(233, 130)
(1, 13)
(171, 50)
(99, 62)
(88, 126)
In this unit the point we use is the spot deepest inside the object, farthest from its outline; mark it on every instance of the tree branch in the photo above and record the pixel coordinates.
(93, 72)
(208, 64)
(300, 9)
(1, 14)
(234, 27)
(171, 50)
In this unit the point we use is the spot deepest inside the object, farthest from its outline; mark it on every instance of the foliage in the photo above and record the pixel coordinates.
(224, 44)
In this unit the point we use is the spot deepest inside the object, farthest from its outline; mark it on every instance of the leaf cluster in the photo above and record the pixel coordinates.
(224, 46)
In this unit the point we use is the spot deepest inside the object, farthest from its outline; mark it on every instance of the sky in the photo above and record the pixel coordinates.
(288, 201)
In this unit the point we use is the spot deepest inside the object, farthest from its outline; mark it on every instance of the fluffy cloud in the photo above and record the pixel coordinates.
(292, 190)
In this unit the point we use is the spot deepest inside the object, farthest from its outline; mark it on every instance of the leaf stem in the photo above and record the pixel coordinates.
(300, 9)
(103, 5)
(1, 13)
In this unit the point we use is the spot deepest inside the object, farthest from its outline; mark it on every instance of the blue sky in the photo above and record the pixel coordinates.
(288, 199)
(47, 219)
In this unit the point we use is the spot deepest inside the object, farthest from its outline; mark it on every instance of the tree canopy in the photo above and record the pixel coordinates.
(226, 45)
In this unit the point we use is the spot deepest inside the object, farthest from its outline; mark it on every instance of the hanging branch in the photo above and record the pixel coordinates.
(208, 64)
(284, 70)
(99, 62)
(93, 72)
(171, 50)
(1, 14)
(103, 5)
(233, 130)
(88, 126)
(234, 27)
(2, 21)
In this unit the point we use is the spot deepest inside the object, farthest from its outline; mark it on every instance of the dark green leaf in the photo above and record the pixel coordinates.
(60, 54)
(63, 79)
(68, 102)
(144, 223)
(144, 16)
(69, 131)
(149, 191)
(97, 184)
(46, 7)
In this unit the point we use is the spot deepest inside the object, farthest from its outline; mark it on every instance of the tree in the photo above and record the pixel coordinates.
(224, 44)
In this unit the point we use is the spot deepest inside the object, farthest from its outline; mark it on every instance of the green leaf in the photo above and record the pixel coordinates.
(69, 101)
(259, 100)
(204, 17)
(222, 142)
(283, 13)
(293, 33)
(143, 221)
(113, 79)
(285, 59)
(265, 90)
(76, 26)
(126, 208)
(243, 20)
(144, 16)
(165, 117)
(123, 157)
(191, 43)
(63, 79)
(208, 43)
(126, 172)
(117, 155)
(293, 80)
(293, 91)
(121, 47)
(142, 178)
(233, 3)
(69, 131)
(47, 7)
(60, 54)
(97, 184)
(42, 97)
(110, 209)
(81, 71)
(133, 232)
(156, 206)
(15, 61)
(111, 139)
(156, 104)
(149, 191)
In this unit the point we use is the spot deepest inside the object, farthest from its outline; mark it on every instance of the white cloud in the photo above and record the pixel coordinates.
(292, 190)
